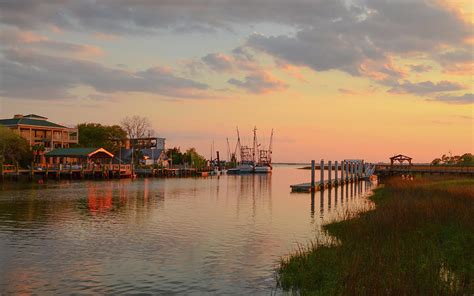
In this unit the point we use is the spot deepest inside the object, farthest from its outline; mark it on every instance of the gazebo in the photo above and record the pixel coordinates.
(400, 158)
(79, 155)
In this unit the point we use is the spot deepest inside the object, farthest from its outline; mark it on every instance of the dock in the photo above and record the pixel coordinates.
(351, 171)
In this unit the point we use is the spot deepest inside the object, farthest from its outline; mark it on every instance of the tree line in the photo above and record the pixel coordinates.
(467, 159)
(15, 149)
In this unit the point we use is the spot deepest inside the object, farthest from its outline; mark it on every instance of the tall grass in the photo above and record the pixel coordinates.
(419, 240)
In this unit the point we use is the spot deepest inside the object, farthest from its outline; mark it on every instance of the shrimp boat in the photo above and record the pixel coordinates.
(253, 159)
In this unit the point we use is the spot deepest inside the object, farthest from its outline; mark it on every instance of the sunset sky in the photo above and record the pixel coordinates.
(334, 79)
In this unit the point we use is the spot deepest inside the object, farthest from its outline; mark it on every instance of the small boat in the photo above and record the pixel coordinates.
(263, 169)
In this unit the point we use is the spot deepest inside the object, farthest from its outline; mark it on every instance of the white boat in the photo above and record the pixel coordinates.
(263, 169)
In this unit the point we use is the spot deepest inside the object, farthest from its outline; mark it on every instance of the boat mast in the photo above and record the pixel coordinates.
(270, 147)
(254, 144)
(228, 150)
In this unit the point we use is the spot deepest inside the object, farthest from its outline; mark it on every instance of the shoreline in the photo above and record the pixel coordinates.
(418, 238)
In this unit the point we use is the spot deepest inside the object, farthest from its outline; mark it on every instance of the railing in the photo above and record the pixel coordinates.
(425, 168)
(85, 167)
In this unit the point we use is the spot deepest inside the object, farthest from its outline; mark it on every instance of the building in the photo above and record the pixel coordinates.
(146, 143)
(148, 156)
(79, 156)
(40, 132)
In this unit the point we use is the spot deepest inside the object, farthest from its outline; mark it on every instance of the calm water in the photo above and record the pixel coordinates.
(216, 235)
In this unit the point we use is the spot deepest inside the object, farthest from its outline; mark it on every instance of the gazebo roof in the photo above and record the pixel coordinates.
(400, 157)
(80, 152)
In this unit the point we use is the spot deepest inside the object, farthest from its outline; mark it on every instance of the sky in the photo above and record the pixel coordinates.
(335, 79)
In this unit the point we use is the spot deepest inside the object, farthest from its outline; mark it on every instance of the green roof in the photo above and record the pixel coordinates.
(72, 152)
(29, 121)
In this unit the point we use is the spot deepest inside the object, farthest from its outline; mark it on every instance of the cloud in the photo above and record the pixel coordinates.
(218, 62)
(425, 87)
(26, 74)
(459, 61)
(467, 98)
(259, 82)
(14, 38)
(420, 68)
(143, 17)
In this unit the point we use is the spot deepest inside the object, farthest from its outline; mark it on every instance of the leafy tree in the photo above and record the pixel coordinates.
(98, 135)
(194, 159)
(14, 148)
(175, 155)
(466, 159)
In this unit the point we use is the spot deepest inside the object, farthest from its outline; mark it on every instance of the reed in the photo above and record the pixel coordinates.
(419, 240)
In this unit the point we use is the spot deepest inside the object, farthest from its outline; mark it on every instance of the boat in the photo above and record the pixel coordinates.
(248, 162)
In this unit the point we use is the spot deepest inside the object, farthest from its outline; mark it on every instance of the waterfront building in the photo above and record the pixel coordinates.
(41, 133)
(148, 156)
(79, 156)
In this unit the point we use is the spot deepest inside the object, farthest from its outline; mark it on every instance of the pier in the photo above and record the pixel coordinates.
(350, 171)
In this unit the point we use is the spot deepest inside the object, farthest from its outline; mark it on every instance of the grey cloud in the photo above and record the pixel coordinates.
(425, 87)
(467, 98)
(218, 62)
(27, 74)
(14, 38)
(145, 16)
(259, 83)
(420, 68)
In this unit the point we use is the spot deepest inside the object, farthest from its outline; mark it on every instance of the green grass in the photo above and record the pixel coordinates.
(419, 240)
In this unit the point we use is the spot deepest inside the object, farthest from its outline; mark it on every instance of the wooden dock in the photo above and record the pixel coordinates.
(307, 187)
(351, 171)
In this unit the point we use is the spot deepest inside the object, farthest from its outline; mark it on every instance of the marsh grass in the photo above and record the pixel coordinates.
(419, 240)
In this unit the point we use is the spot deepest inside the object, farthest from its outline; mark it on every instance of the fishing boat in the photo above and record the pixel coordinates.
(248, 157)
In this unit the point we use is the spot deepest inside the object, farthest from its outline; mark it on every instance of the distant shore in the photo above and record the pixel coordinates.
(418, 240)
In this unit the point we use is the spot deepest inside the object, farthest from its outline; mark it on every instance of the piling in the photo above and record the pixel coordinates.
(329, 173)
(342, 171)
(321, 170)
(347, 172)
(336, 172)
(313, 183)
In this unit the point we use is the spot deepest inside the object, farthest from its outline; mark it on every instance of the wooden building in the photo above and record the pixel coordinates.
(79, 156)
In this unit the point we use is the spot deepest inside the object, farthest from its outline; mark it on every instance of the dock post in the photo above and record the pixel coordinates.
(329, 174)
(1, 171)
(342, 172)
(321, 171)
(313, 183)
(336, 172)
(352, 171)
(347, 171)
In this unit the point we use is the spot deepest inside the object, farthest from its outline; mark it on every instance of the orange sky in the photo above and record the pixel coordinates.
(396, 78)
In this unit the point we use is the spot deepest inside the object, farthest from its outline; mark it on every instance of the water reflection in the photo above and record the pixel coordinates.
(199, 235)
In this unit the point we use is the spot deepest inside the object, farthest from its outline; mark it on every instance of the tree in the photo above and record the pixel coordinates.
(466, 159)
(101, 136)
(13, 148)
(175, 155)
(194, 159)
(136, 126)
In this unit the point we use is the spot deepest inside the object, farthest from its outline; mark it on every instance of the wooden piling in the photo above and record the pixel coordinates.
(313, 183)
(321, 170)
(336, 170)
(342, 171)
(329, 173)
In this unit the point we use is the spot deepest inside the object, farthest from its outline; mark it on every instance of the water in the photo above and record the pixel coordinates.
(215, 235)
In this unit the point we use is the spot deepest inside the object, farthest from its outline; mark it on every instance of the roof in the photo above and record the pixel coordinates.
(36, 116)
(400, 156)
(78, 152)
(29, 121)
